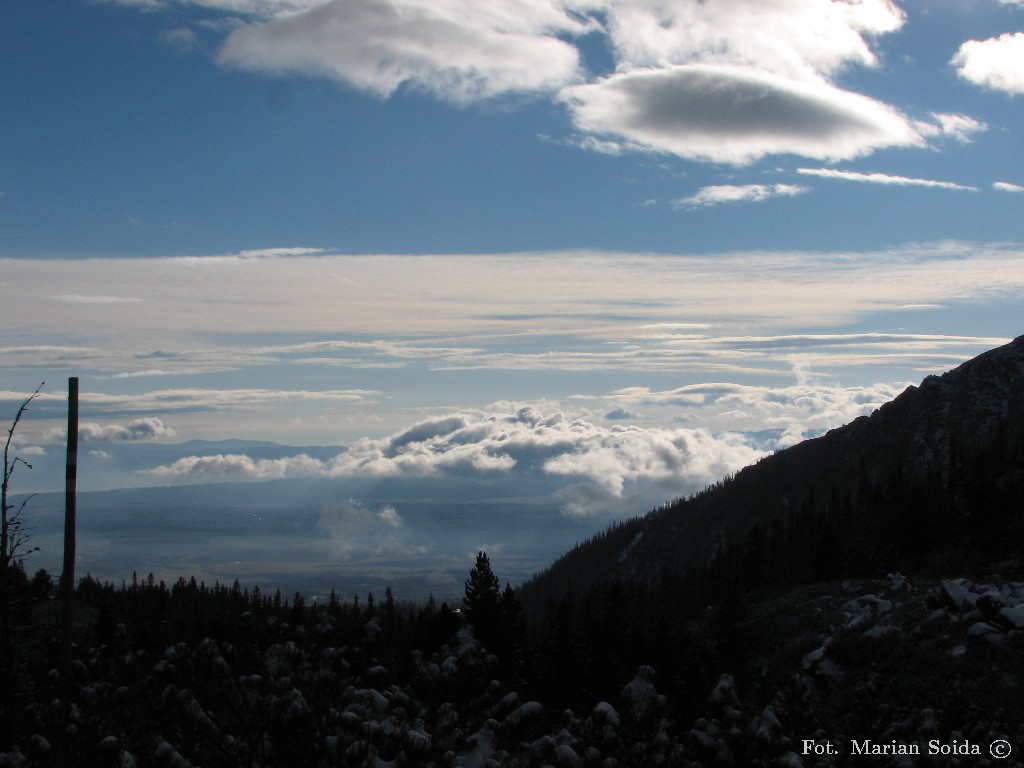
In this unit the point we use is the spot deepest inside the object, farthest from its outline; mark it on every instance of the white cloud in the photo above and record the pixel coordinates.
(615, 467)
(182, 38)
(432, 308)
(882, 178)
(390, 517)
(728, 81)
(874, 340)
(189, 399)
(235, 465)
(149, 428)
(730, 114)
(604, 146)
(1005, 186)
(241, 257)
(608, 460)
(960, 128)
(99, 299)
(457, 50)
(707, 196)
(733, 81)
(788, 37)
(352, 526)
(151, 372)
(255, 8)
(584, 311)
(67, 352)
(809, 406)
(679, 326)
(400, 350)
(994, 63)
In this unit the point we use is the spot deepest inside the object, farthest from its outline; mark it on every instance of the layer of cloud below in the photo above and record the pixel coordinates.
(148, 428)
(798, 411)
(597, 469)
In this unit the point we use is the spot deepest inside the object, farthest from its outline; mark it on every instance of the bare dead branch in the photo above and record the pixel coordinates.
(7, 551)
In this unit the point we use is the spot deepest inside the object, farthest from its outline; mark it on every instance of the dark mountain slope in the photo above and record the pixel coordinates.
(936, 473)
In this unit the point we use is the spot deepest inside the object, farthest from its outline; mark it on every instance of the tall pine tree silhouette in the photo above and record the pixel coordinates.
(481, 601)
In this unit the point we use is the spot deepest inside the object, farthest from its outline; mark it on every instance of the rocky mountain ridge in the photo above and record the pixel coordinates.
(925, 474)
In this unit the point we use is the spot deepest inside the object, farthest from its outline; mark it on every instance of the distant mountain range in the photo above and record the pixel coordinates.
(936, 475)
(312, 535)
(937, 472)
(859, 593)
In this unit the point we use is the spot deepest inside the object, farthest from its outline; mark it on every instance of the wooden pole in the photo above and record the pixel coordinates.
(67, 579)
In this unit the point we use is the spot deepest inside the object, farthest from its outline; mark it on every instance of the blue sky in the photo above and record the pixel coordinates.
(607, 240)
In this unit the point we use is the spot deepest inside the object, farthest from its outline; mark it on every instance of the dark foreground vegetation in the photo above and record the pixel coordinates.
(188, 674)
(856, 599)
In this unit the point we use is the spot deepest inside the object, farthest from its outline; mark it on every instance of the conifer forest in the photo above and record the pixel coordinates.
(852, 598)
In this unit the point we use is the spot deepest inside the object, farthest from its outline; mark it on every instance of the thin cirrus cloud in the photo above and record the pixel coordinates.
(1005, 186)
(192, 399)
(883, 178)
(182, 402)
(73, 298)
(874, 341)
(424, 319)
(585, 310)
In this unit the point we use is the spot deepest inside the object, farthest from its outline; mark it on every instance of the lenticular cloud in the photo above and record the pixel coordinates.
(729, 81)
(735, 114)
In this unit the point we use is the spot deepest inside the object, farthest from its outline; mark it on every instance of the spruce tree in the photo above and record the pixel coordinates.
(512, 635)
(480, 603)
